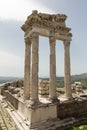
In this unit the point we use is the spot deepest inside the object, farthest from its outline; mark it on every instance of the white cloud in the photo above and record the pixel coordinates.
(19, 9)
(10, 65)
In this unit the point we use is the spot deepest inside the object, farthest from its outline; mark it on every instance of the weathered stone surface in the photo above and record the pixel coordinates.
(52, 86)
(47, 22)
(6, 121)
(45, 115)
(74, 108)
(67, 70)
(27, 68)
(11, 98)
(34, 70)
(11, 86)
(43, 88)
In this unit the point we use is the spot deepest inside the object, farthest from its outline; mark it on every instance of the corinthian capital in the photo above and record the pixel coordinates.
(34, 35)
(28, 41)
(51, 39)
(66, 43)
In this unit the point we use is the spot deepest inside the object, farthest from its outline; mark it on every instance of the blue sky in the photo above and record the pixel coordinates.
(13, 13)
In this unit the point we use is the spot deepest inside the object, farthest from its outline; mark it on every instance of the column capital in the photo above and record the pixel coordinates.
(34, 35)
(52, 36)
(51, 39)
(27, 40)
(66, 43)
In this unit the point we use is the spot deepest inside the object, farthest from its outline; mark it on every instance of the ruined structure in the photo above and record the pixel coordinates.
(28, 110)
(53, 27)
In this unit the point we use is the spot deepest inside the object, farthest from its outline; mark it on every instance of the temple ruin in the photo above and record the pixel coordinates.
(21, 106)
(53, 27)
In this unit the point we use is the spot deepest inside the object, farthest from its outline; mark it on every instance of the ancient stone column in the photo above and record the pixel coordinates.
(27, 68)
(34, 76)
(52, 86)
(67, 78)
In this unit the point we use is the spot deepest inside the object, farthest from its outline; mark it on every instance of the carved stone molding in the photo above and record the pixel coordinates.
(47, 20)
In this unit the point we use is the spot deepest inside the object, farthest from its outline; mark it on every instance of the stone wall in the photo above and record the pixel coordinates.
(9, 89)
(14, 85)
(72, 109)
(43, 88)
(11, 98)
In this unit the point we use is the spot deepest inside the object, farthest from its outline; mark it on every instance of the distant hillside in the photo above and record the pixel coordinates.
(60, 80)
(73, 77)
(8, 79)
(80, 76)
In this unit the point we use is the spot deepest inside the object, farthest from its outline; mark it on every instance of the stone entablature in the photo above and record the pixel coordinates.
(49, 23)
(45, 20)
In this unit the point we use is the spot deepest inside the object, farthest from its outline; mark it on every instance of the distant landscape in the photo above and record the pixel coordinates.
(74, 78)
(60, 80)
(4, 79)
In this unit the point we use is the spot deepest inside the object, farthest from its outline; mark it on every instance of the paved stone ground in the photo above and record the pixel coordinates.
(6, 122)
(9, 118)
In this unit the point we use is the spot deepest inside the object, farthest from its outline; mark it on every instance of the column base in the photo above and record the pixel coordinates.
(37, 115)
(26, 97)
(54, 100)
(33, 102)
(68, 97)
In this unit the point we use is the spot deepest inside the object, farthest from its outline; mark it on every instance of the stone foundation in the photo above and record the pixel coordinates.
(46, 115)
(51, 116)
(74, 108)
(38, 114)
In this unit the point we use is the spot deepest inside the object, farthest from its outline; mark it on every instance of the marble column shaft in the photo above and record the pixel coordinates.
(35, 58)
(27, 68)
(67, 77)
(52, 87)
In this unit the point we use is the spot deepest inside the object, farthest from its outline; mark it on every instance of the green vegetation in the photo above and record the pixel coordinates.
(8, 79)
(75, 78)
(83, 81)
(0, 128)
(60, 83)
(82, 127)
(60, 80)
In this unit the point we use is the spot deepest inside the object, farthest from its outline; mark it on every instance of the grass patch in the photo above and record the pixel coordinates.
(0, 128)
(82, 127)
